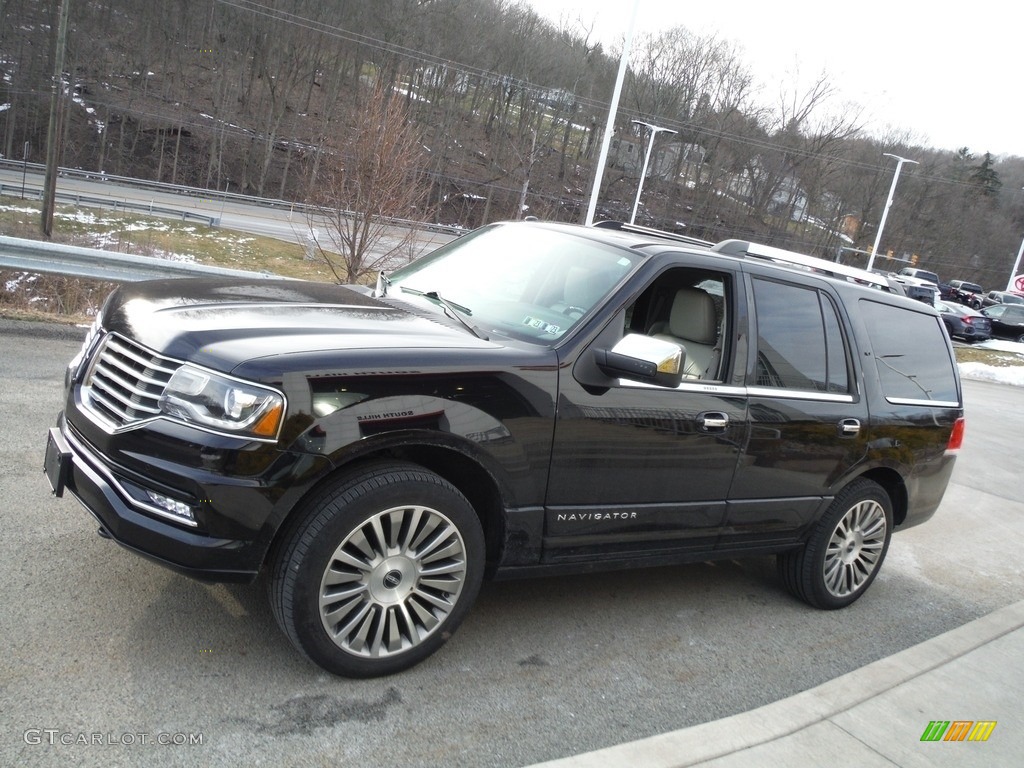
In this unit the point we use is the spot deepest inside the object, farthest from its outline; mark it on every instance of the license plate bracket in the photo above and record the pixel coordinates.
(57, 461)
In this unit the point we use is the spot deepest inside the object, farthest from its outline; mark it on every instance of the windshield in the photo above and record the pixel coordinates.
(517, 280)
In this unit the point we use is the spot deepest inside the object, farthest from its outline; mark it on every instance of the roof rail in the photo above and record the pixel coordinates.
(779, 255)
(640, 230)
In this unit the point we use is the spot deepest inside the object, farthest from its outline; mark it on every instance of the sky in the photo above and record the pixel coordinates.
(949, 74)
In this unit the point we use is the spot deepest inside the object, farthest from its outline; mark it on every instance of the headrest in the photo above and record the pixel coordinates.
(693, 316)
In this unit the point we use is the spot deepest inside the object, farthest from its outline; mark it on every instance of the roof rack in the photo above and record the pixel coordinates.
(640, 230)
(779, 255)
(744, 248)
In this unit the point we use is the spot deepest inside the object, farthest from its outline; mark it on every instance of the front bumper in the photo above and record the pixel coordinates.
(72, 465)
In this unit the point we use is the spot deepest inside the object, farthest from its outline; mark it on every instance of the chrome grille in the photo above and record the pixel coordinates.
(125, 381)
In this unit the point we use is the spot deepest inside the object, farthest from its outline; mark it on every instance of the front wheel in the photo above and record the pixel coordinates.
(845, 550)
(380, 571)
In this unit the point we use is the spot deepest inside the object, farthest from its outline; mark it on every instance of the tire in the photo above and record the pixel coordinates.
(845, 550)
(1020, 339)
(379, 572)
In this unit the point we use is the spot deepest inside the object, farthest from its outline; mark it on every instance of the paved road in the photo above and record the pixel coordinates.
(97, 645)
(281, 223)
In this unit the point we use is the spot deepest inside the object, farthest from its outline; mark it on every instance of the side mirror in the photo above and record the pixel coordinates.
(642, 358)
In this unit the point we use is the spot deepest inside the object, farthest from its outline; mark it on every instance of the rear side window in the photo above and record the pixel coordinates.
(800, 342)
(912, 355)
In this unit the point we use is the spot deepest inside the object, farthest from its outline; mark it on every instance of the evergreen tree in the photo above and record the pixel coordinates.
(985, 178)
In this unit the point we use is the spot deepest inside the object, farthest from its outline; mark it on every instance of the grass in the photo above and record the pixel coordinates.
(993, 357)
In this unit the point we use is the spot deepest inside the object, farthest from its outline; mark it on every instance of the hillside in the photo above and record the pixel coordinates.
(259, 96)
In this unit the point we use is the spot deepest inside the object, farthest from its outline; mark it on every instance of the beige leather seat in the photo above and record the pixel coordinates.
(692, 324)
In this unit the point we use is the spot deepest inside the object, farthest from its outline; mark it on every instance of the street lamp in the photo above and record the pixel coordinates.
(885, 212)
(1011, 283)
(655, 130)
(606, 140)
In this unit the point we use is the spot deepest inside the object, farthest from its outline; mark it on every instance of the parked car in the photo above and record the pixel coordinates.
(963, 322)
(922, 274)
(966, 293)
(992, 298)
(916, 288)
(531, 398)
(1007, 321)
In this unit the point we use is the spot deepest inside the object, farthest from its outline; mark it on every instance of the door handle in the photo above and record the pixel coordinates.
(713, 421)
(849, 427)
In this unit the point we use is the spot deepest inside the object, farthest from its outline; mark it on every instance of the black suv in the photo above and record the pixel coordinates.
(531, 398)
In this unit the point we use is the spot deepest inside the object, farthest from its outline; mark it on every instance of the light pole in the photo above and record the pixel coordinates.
(655, 130)
(612, 110)
(1010, 284)
(885, 212)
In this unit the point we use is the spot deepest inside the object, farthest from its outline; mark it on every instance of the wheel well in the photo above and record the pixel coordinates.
(471, 479)
(896, 489)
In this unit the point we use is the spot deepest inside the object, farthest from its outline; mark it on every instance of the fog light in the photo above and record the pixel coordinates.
(175, 507)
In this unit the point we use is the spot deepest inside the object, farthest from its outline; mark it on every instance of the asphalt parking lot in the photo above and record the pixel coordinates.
(110, 660)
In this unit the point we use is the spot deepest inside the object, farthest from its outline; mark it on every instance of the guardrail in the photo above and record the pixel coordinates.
(75, 261)
(117, 205)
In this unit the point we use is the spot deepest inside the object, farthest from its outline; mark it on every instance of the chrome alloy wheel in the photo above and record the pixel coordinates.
(392, 581)
(855, 548)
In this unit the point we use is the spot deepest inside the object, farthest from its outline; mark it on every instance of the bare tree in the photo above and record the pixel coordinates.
(364, 184)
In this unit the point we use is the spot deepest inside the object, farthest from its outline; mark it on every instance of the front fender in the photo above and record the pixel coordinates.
(513, 452)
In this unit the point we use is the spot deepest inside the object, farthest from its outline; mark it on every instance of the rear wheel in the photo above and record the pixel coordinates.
(379, 572)
(845, 549)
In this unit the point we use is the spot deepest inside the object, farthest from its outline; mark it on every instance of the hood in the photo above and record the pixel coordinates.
(221, 323)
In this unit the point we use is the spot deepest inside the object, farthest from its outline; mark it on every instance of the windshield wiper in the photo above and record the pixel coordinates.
(453, 310)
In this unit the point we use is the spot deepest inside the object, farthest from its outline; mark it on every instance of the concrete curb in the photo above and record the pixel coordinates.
(781, 719)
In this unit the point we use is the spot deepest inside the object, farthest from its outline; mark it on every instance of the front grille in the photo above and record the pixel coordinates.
(125, 381)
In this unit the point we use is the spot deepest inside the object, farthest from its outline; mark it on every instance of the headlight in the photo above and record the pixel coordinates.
(206, 399)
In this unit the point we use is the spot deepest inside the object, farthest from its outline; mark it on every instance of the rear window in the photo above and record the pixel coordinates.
(912, 355)
(800, 342)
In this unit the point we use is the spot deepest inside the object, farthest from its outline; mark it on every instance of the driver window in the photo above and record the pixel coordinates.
(688, 307)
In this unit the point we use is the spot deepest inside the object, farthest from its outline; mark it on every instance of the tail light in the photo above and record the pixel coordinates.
(956, 437)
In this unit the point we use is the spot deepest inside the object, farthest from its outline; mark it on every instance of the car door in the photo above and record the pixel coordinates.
(808, 419)
(1007, 321)
(639, 471)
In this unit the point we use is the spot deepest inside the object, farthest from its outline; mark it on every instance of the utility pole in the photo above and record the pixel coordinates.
(53, 131)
